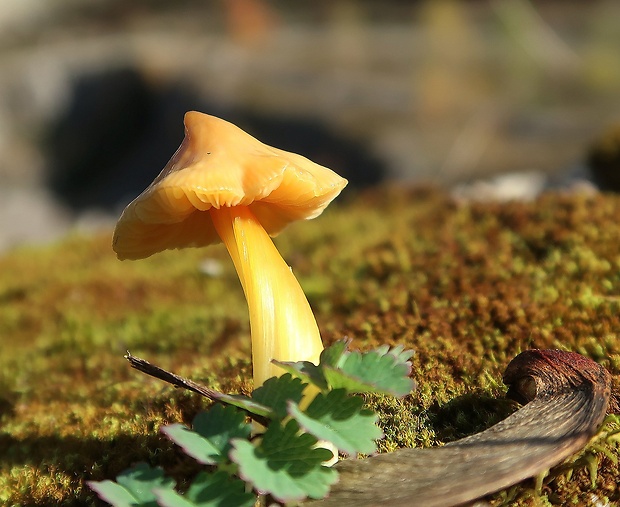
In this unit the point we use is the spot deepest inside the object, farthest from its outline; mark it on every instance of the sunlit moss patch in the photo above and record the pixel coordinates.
(467, 286)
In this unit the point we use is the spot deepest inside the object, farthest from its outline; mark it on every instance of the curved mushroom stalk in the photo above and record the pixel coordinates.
(281, 322)
(223, 184)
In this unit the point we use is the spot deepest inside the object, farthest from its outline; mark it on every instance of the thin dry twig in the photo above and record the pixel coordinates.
(171, 378)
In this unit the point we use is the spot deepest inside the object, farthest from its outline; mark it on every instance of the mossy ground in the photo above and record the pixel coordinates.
(467, 286)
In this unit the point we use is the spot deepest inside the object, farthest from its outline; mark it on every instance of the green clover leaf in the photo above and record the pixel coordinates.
(209, 490)
(285, 464)
(341, 420)
(134, 487)
(277, 391)
(209, 441)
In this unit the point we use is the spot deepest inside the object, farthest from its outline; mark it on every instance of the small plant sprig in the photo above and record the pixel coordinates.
(285, 461)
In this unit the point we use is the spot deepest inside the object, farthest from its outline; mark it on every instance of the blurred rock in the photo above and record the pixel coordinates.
(507, 187)
(108, 114)
(523, 186)
(604, 160)
(29, 215)
(212, 268)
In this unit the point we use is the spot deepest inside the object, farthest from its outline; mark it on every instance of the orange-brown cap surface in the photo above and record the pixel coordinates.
(218, 165)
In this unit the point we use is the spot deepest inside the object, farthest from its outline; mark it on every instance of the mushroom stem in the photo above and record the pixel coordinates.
(282, 324)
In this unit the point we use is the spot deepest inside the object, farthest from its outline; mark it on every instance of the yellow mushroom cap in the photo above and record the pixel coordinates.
(218, 165)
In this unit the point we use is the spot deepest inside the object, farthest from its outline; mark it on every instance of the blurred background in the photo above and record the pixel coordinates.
(499, 97)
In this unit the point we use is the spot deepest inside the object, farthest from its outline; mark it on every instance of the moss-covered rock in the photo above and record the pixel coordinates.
(467, 286)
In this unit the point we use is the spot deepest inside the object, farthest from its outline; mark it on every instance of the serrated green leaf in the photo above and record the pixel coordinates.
(170, 498)
(142, 479)
(134, 487)
(244, 403)
(285, 464)
(220, 424)
(113, 493)
(228, 491)
(313, 374)
(306, 371)
(341, 420)
(377, 371)
(209, 440)
(384, 370)
(333, 355)
(277, 391)
(399, 352)
(209, 490)
(193, 444)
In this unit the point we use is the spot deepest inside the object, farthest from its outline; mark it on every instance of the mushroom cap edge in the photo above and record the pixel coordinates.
(218, 165)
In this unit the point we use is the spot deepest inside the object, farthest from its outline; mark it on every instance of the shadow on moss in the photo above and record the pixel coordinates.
(468, 414)
(70, 461)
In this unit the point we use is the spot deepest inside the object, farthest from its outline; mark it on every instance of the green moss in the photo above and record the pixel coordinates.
(466, 286)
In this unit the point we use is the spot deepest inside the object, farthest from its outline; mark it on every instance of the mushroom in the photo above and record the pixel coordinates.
(224, 185)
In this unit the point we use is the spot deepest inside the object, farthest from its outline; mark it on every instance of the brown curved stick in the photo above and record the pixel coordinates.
(567, 396)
